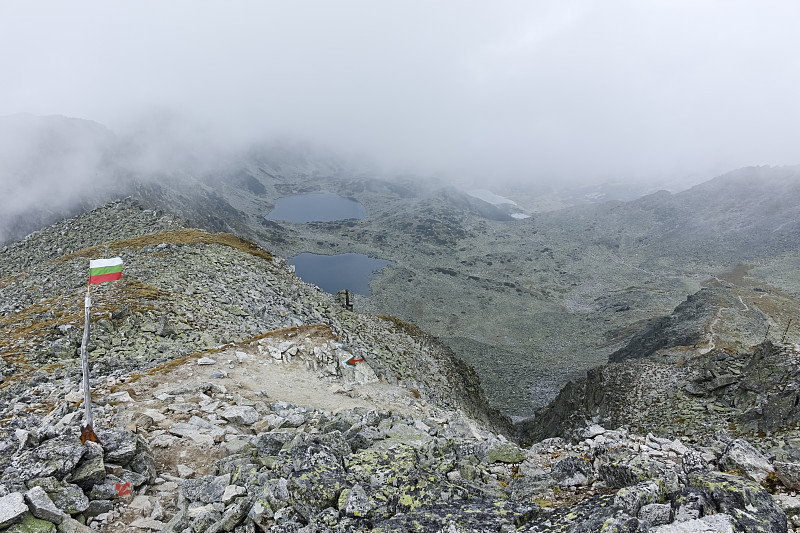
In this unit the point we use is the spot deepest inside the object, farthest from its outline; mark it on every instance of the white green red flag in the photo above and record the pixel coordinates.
(102, 270)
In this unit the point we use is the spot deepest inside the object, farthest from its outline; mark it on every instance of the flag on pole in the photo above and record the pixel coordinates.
(102, 270)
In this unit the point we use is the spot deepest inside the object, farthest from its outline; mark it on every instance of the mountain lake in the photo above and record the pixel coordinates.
(316, 207)
(333, 273)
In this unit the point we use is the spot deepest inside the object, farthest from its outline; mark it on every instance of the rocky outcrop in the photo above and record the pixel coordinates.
(747, 394)
(684, 327)
(294, 468)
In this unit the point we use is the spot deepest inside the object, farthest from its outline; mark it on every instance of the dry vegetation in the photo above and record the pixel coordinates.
(185, 236)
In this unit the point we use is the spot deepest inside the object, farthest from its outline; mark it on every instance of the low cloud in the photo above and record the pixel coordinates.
(512, 91)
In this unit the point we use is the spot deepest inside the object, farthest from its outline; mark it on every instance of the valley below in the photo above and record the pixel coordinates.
(530, 303)
(534, 303)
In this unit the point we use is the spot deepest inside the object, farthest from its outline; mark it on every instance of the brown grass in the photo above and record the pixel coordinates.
(26, 328)
(185, 236)
(402, 325)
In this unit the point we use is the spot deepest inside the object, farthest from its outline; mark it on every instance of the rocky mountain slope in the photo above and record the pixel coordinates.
(508, 296)
(186, 291)
(230, 396)
(725, 356)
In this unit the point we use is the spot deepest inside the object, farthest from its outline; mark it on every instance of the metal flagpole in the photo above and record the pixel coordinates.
(87, 432)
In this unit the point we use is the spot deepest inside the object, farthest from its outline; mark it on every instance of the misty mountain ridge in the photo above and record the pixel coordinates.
(56, 166)
(508, 295)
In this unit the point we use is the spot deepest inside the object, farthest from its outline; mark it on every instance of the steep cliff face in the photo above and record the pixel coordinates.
(686, 326)
(750, 394)
(723, 360)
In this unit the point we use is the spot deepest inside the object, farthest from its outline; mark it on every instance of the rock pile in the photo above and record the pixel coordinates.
(204, 459)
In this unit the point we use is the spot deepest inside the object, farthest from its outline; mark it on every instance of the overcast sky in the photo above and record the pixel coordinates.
(501, 89)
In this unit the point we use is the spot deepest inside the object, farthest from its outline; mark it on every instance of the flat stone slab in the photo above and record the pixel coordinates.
(148, 523)
(241, 414)
(12, 507)
(42, 506)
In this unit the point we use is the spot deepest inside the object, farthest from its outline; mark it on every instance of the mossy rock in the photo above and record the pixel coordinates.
(506, 453)
(31, 524)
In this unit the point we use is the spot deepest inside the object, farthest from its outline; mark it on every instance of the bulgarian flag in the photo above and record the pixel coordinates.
(102, 270)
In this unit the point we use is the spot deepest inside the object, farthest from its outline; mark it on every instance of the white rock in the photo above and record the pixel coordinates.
(12, 507)
(70, 525)
(743, 456)
(42, 507)
(74, 396)
(182, 407)
(593, 431)
(241, 414)
(206, 361)
(274, 420)
(231, 492)
(185, 471)
(155, 415)
(790, 504)
(170, 486)
(163, 441)
(148, 523)
(715, 523)
(22, 436)
(141, 504)
(210, 407)
(678, 447)
(186, 431)
(197, 511)
(122, 396)
(651, 443)
(284, 346)
(158, 510)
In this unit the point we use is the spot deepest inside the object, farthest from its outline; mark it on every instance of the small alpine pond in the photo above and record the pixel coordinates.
(333, 273)
(316, 207)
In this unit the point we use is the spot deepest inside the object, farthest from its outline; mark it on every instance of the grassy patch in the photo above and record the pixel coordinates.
(185, 236)
(402, 325)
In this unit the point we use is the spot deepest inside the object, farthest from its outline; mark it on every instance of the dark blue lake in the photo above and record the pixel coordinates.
(316, 207)
(333, 273)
